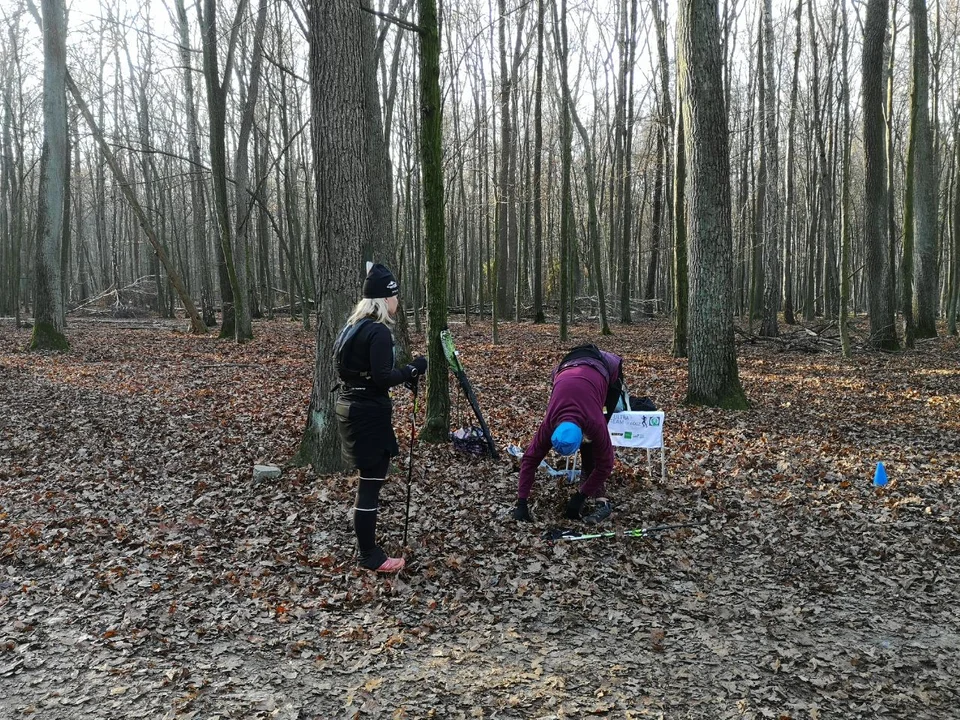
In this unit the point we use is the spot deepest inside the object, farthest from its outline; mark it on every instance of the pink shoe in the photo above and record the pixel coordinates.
(392, 565)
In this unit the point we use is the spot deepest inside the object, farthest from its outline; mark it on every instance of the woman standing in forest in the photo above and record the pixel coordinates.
(364, 354)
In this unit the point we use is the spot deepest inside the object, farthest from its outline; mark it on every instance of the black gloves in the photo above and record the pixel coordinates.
(575, 505)
(521, 511)
(417, 368)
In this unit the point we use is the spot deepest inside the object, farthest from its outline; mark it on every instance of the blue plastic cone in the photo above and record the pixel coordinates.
(880, 476)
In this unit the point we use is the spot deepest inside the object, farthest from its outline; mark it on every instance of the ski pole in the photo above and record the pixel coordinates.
(566, 534)
(413, 438)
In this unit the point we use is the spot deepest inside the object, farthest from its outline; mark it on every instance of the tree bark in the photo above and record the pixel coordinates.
(538, 174)
(713, 375)
(49, 320)
(771, 218)
(337, 110)
(681, 284)
(244, 193)
(233, 296)
(883, 332)
(846, 210)
(437, 425)
(925, 179)
(566, 161)
(790, 225)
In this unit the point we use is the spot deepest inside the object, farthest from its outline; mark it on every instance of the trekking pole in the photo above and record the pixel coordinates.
(413, 437)
(561, 534)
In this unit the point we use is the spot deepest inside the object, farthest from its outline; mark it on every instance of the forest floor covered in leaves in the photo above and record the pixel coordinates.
(144, 573)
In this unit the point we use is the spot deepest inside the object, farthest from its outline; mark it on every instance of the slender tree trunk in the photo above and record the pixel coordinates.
(846, 210)
(790, 225)
(593, 222)
(661, 193)
(233, 296)
(566, 161)
(681, 285)
(954, 304)
(883, 333)
(713, 374)
(538, 174)
(437, 426)
(627, 179)
(771, 220)
(244, 193)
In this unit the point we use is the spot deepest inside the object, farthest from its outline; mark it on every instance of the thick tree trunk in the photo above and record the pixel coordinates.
(336, 84)
(925, 179)
(382, 245)
(883, 332)
(49, 325)
(713, 376)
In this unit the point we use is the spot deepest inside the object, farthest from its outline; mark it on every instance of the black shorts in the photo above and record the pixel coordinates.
(365, 423)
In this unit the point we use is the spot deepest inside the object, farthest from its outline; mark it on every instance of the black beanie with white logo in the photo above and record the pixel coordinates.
(380, 283)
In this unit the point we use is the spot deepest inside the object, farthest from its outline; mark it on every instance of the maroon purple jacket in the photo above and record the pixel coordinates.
(578, 396)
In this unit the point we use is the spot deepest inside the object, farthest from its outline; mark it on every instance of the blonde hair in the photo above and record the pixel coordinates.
(373, 308)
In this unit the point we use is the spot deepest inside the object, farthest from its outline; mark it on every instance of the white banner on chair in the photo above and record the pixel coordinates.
(636, 429)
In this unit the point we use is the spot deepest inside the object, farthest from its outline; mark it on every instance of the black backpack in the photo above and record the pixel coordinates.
(342, 345)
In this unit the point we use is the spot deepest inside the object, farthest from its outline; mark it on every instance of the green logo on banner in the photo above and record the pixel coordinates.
(628, 435)
(654, 421)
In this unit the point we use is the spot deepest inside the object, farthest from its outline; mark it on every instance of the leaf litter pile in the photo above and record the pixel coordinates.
(145, 573)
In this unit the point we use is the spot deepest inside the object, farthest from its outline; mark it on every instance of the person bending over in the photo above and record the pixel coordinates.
(587, 386)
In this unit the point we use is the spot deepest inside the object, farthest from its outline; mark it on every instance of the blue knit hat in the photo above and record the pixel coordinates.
(566, 438)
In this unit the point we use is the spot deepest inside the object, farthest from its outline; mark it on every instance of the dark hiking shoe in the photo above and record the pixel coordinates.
(601, 512)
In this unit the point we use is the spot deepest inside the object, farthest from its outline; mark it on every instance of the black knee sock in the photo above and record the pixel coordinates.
(365, 522)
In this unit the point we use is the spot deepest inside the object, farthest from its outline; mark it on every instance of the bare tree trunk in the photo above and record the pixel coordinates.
(437, 425)
(661, 192)
(790, 224)
(244, 193)
(627, 179)
(953, 306)
(49, 320)
(846, 219)
(713, 376)
(566, 192)
(538, 174)
(925, 178)
(593, 223)
(233, 296)
(883, 333)
(383, 239)
(336, 83)
(771, 220)
(681, 287)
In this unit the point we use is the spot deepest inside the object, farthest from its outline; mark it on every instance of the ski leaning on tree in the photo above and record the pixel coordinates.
(364, 354)
(587, 385)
